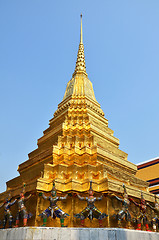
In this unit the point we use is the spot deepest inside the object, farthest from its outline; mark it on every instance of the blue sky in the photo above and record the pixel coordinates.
(38, 48)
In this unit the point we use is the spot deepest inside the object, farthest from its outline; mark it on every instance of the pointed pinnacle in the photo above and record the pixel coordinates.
(81, 35)
(80, 63)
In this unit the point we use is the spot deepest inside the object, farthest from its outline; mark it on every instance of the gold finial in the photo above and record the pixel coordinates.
(80, 63)
(81, 35)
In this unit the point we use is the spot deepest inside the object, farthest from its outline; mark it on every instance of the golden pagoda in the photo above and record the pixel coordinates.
(78, 146)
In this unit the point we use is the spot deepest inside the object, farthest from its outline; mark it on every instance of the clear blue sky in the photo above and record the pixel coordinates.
(38, 47)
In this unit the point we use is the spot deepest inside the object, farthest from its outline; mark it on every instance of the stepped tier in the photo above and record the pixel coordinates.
(78, 147)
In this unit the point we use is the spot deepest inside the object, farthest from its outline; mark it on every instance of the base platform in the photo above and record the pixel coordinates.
(48, 233)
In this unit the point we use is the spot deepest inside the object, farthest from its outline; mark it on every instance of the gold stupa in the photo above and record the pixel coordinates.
(77, 147)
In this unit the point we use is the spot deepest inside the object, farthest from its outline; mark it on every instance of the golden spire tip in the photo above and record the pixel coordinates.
(80, 63)
(81, 35)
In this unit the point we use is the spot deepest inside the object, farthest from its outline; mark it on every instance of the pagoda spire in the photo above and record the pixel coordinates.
(80, 63)
(80, 85)
(81, 35)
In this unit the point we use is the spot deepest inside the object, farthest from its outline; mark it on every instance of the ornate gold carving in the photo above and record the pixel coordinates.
(77, 147)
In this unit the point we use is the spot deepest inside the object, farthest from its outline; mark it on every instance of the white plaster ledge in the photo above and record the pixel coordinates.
(52, 233)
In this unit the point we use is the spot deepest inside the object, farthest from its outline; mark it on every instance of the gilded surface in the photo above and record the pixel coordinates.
(78, 147)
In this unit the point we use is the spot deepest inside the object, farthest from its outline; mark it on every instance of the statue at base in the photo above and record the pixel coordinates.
(142, 218)
(7, 212)
(155, 220)
(22, 211)
(90, 211)
(124, 213)
(53, 210)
